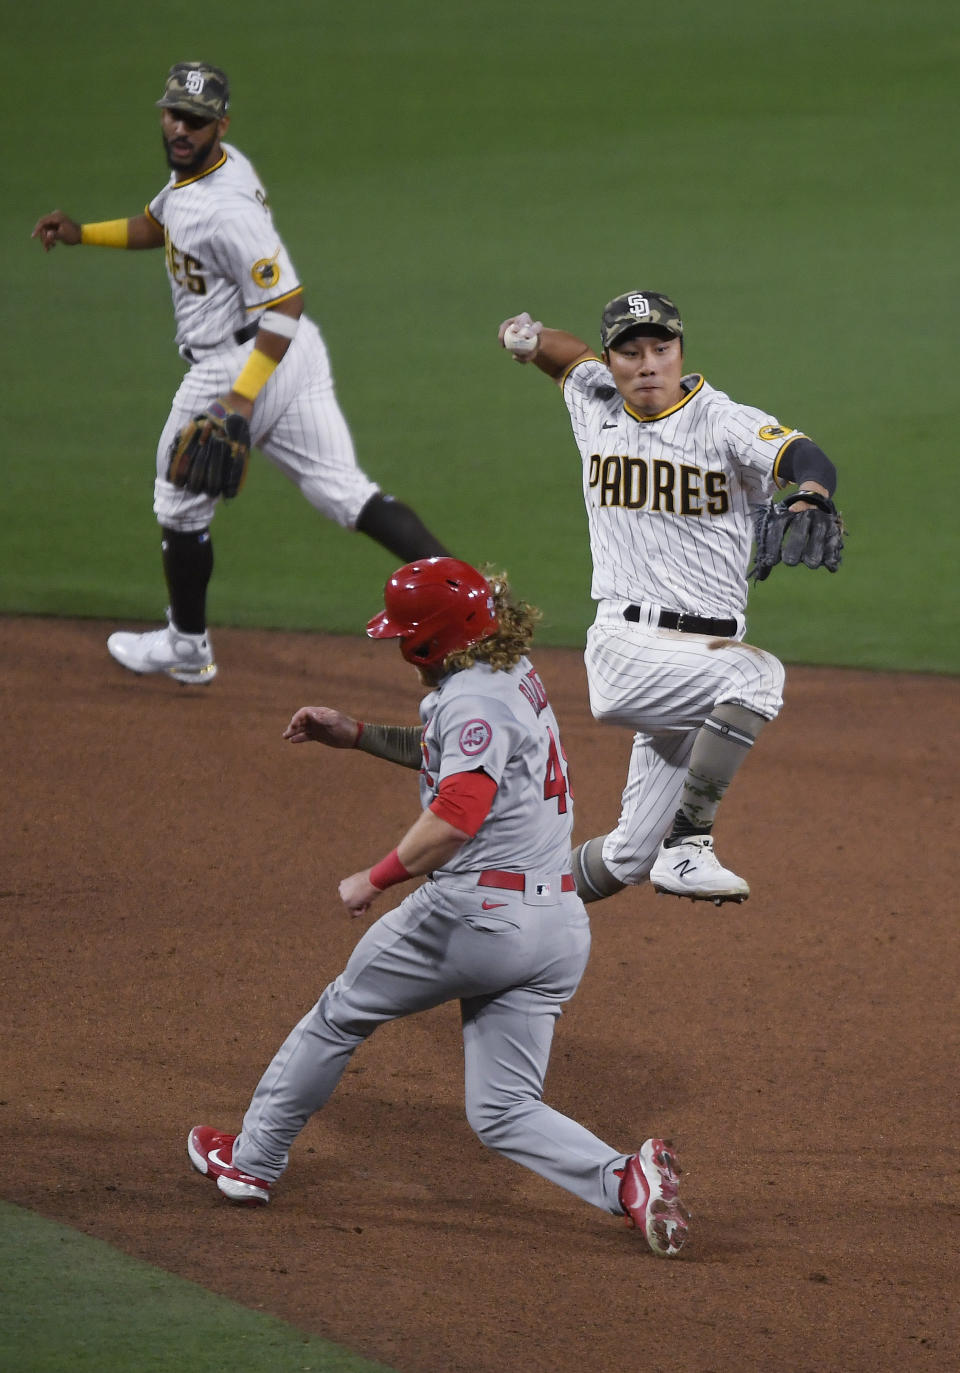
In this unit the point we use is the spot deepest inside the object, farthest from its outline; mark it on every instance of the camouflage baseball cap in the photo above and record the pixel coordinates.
(197, 88)
(639, 307)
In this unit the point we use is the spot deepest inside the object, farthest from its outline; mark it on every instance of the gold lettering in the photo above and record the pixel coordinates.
(715, 488)
(630, 483)
(185, 270)
(610, 482)
(634, 483)
(193, 276)
(664, 476)
(689, 490)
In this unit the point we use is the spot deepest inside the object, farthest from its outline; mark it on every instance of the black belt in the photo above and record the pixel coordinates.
(243, 335)
(687, 624)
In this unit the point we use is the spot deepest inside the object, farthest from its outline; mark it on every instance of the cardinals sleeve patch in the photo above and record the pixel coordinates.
(475, 737)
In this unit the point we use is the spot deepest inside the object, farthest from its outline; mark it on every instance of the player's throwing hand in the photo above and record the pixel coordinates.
(520, 335)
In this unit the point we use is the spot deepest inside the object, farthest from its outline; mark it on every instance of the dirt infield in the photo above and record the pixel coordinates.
(169, 896)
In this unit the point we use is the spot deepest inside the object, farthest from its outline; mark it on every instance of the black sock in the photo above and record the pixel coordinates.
(188, 567)
(399, 529)
(683, 828)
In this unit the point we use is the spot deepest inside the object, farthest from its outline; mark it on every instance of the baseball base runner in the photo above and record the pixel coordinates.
(496, 925)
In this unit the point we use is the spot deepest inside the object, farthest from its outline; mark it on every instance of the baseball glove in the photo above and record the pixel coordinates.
(209, 456)
(813, 537)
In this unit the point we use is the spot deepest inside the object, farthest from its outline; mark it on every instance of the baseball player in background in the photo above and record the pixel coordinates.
(673, 472)
(497, 924)
(256, 361)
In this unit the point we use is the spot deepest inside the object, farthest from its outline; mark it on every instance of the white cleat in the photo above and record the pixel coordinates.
(187, 658)
(692, 869)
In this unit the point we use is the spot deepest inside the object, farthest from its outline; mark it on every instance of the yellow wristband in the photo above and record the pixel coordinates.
(109, 233)
(257, 371)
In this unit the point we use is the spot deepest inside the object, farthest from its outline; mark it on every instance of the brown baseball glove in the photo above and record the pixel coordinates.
(209, 456)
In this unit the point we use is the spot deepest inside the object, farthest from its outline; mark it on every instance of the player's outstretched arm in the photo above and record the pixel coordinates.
(552, 350)
(323, 725)
(396, 743)
(144, 232)
(140, 231)
(803, 462)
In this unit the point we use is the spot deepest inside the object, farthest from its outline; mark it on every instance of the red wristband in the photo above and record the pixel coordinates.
(388, 872)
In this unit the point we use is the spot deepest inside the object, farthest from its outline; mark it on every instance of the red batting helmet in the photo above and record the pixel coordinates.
(434, 607)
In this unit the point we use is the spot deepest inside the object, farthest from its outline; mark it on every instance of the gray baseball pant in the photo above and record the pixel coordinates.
(512, 970)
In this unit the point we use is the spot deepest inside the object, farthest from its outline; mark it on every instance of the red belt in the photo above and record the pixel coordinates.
(516, 881)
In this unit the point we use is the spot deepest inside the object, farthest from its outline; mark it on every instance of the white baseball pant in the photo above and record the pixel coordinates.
(297, 424)
(664, 684)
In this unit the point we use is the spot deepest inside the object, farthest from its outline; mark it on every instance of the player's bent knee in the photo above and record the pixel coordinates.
(181, 510)
(613, 712)
(758, 682)
(343, 505)
(491, 1121)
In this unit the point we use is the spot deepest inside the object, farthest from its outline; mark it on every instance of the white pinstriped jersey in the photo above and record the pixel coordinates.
(668, 498)
(224, 258)
(503, 723)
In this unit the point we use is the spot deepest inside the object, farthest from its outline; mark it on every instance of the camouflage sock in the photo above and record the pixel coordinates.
(722, 745)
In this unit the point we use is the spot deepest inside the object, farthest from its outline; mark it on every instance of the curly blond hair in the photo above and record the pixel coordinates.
(516, 619)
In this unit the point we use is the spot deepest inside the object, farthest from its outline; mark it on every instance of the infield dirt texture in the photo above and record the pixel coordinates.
(169, 867)
(173, 912)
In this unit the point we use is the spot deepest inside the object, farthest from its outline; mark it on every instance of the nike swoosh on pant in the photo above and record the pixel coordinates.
(491, 905)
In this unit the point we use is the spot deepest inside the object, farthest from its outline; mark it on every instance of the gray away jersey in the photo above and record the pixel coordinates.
(502, 722)
(225, 260)
(668, 498)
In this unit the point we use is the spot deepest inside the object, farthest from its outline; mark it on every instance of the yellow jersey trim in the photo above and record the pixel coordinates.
(776, 462)
(266, 304)
(146, 211)
(200, 175)
(648, 419)
(591, 357)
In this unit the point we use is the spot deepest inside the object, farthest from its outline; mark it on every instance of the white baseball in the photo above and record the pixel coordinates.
(521, 338)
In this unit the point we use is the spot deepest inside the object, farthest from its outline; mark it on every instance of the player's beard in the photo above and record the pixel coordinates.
(431, 677)
(196, 162)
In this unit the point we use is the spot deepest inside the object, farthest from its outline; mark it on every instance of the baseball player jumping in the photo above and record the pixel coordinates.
(259, 370)
(497, 924)
(675, 474)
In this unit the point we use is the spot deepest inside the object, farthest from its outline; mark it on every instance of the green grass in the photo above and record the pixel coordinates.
(68, 1302)
(434, 167)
